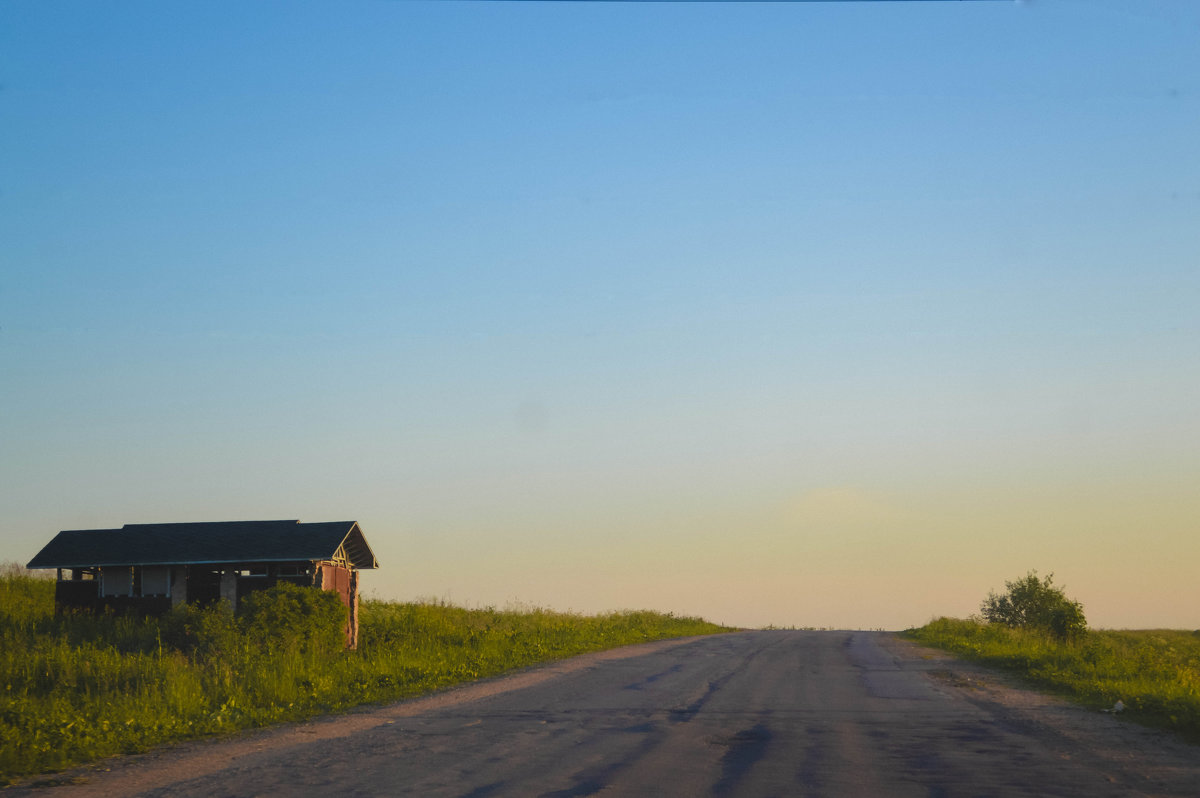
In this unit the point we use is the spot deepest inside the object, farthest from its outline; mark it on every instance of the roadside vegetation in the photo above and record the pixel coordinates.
(1040, 636)
(77, 688)
(1033, 603)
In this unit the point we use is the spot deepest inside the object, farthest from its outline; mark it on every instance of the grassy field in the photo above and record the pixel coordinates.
(79, 688)
(1154, 673)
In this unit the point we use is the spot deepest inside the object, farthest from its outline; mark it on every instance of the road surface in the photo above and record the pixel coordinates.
(774, 713)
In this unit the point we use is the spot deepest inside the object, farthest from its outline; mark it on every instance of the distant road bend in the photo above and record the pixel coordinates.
(747, 714)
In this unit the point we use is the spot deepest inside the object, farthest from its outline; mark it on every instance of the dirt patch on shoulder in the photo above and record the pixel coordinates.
(1158, 761)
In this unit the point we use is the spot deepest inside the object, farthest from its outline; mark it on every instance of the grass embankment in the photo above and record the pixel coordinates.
(78, 688)
(1155, 673)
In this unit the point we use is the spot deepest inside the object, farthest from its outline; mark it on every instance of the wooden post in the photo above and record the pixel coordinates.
(352, 620)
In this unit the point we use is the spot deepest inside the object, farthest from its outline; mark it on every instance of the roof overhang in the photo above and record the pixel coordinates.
(220, 543)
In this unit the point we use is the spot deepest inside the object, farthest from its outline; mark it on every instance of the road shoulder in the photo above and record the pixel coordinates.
(1155, 760)
(175, 762)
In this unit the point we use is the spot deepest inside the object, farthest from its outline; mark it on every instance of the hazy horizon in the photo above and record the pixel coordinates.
(818, 314)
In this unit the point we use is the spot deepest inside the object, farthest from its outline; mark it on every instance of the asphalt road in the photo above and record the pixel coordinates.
(747, 714)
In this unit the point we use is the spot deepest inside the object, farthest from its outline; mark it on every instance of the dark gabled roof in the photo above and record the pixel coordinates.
(206, 543)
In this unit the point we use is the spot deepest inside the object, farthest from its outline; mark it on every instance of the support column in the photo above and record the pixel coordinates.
(179, 577)
(229, 587)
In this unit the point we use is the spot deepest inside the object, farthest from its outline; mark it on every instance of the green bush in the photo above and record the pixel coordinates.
(288, 617)
(284, 618)
(1033, 603)
(206, 631)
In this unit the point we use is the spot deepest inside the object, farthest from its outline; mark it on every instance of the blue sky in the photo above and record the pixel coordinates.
(812, 313)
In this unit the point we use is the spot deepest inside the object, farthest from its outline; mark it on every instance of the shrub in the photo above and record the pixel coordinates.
(288, 617)
(1033, 603)
(208, 631)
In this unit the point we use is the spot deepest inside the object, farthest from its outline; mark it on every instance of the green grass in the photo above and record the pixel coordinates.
(78, 688)
(1155, 673)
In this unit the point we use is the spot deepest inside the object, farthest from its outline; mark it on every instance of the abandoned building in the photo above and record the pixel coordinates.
(149, 568)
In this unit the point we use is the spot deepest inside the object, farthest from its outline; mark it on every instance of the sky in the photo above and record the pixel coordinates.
(829, 314)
